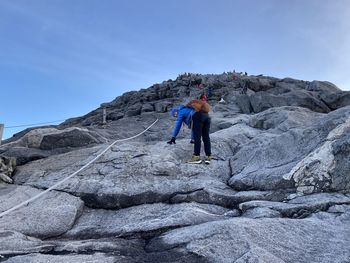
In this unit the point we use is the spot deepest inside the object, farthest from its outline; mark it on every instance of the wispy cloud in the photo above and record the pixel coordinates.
(79, 53)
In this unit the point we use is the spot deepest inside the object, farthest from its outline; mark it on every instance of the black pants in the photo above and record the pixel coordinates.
(201, 127)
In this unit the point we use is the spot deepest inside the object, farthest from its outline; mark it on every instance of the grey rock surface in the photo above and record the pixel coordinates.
(7, 167)
(260, 212)
(276, 154)
(14, 243)
(326, 166)
(271, 240)
(124, 250)
(261, 101)
(299, 207)
(52, 215)
(41, 258)
(143, 219)
(132, 174)
(43, 142)
(166, 257)
(277, 188)
(24, 155)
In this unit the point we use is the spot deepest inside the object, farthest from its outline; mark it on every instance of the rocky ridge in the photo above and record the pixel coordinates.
(277, 190)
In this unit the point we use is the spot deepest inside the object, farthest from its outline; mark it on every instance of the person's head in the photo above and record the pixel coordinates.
(174, 112)
(203, 97)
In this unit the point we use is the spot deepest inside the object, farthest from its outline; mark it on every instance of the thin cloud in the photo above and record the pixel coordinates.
(79, 53)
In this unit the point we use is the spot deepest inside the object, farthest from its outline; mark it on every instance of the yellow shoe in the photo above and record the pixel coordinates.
(195, 160)
(207, 159)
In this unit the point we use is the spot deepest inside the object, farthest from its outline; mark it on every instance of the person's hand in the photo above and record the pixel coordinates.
(172, 141)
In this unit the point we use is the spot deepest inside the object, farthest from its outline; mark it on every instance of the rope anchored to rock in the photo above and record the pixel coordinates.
(75, 173)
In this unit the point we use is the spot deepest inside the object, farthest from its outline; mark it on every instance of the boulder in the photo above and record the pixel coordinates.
(24, 155)
(261, 101)
(261, 212)
(243, 103)
(162, 106)
(43, 142)
(268, 161)
(129, 250)
(147, 107)
(133, 111)
(142, 219)
(299, 207)
(260, 84)
(261, 240)
(114, 116)
(338, 100)
(68, 139)
(59, 215)
(325, 168)
(283, 119)
(7, 167)
(14, 243)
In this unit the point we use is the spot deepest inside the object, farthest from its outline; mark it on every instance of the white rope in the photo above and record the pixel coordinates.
(33, 124)
(65, 179)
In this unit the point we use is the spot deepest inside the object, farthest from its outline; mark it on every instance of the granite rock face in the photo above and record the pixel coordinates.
(43, 142)
(7, 167)
(261, 240)
(52, 215)
(277, 188)
(325, 168)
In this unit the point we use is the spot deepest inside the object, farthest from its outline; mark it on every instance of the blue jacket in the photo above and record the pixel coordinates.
(184, 115)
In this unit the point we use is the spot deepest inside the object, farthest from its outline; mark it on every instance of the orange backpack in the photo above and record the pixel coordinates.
(199, 106)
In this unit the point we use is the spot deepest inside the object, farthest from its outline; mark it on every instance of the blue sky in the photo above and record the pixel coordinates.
(63, 58)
